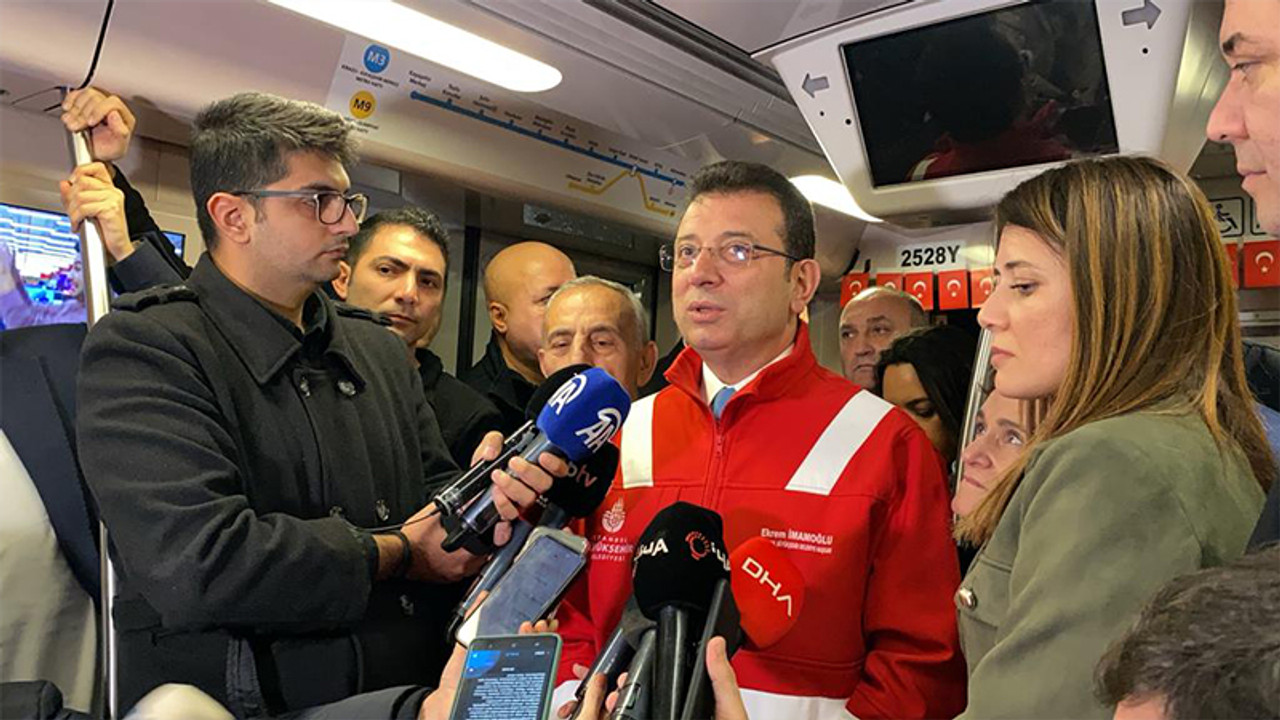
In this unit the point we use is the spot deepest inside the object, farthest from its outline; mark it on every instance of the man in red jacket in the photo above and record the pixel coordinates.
(753, 428)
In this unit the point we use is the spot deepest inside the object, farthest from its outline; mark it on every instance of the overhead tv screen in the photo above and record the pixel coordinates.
(1013, 87)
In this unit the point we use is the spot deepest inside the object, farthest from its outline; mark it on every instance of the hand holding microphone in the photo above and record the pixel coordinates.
(760, 605)
(581, 415)
(679, 562)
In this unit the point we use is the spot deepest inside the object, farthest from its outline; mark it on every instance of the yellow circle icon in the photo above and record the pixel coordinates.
(363, 104)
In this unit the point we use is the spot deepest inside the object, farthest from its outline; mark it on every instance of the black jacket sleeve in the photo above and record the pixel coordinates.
(161, 463)
(153, 261)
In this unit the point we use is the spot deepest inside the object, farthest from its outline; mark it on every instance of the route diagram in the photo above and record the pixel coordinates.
(592, 183)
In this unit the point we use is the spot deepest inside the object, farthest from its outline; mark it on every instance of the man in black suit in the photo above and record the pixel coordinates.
(397, 265)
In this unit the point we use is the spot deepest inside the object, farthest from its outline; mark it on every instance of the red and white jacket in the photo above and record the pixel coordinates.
(848, 485)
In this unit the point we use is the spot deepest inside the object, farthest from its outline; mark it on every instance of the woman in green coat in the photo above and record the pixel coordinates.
(1114, 301)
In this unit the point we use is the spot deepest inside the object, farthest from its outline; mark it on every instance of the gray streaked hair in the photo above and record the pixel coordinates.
(640, 315)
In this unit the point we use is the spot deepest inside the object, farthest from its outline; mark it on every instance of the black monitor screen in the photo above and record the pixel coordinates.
(1008, 88)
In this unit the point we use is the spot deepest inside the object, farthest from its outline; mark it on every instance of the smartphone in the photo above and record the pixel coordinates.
(538, 577)
(508, 677)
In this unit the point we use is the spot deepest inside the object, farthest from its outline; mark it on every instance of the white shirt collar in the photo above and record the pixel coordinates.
(712, 384)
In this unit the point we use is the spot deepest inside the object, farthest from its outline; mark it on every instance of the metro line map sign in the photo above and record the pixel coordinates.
(408, 103)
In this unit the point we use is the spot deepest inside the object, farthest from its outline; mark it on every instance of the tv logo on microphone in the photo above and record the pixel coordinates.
(581, 474)
(655, 548)
(598, 433)
(568, 392)
(700, 547)
(756, 571)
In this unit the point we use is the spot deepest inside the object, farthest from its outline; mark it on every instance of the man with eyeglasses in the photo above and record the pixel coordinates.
(256, 451)
(755, 429)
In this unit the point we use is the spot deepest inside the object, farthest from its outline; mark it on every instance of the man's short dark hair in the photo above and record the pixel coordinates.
(1208, 645)
(241, 143)
(733, 176)
(424, 224)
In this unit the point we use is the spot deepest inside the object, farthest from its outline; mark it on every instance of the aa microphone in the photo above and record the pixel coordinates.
(575, 495)
(461, 492)
(635, 696)
(580, 418)
(678, 562)
(762, 602)
(619, 649)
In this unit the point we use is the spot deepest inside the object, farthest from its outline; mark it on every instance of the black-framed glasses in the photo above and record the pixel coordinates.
(735, 254)
(330, 205)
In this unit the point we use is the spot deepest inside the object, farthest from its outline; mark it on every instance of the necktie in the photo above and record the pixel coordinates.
(721, 399)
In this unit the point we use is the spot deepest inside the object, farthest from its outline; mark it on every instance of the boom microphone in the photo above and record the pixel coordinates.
(678, 562)
(580, 418)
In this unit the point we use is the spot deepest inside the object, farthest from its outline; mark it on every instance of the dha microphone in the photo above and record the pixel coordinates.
(769, 589)
(762, 602)
(580, 418)
(679, 560)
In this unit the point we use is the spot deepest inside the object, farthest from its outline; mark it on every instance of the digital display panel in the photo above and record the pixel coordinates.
(1019, 86)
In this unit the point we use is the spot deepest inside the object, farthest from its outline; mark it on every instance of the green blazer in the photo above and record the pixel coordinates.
(1104, 516)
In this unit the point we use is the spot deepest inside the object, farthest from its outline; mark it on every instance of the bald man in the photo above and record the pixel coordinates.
(518, 284)
(871, 321)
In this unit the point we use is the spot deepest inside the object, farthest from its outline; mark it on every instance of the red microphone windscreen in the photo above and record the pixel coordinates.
(769, 591)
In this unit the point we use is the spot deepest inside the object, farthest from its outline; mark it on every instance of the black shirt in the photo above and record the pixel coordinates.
(232, 456)
(465, 415)
(504, 387)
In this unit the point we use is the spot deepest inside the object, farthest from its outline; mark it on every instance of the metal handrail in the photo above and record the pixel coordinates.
(97, 300)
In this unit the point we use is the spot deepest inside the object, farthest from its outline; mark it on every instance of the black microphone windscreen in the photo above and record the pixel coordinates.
(581, 491)
(678, 560)
(543, 392)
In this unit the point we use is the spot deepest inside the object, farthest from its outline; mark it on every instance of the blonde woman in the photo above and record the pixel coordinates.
(1114, 300)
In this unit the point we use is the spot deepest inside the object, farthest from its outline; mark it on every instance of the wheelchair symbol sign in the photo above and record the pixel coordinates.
(1229, 212)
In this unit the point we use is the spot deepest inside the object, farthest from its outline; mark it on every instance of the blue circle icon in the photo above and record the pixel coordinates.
(376, 58)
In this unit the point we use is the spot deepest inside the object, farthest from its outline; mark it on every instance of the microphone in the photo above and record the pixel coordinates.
(634, 697)
(678, 562)
(457, 495)
(619, 649)
(577, 494)
(722, 619)
(761, 601)
(580, 418)
(769, 589)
